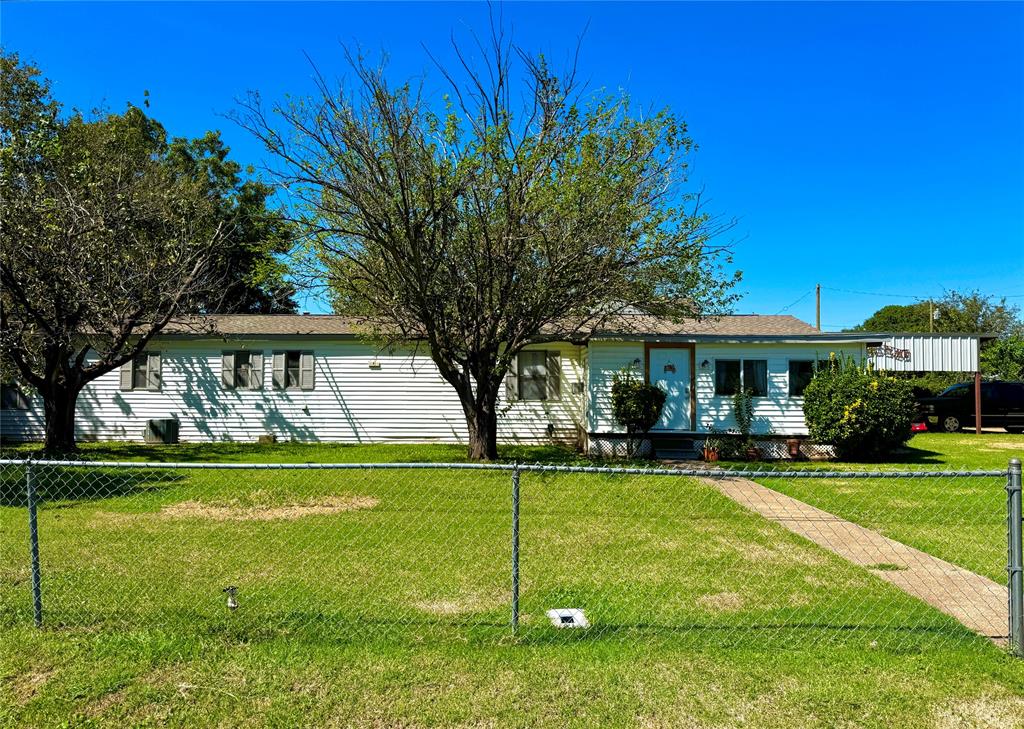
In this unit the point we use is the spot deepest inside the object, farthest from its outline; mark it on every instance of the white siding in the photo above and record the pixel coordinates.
(604, 359)
(405, 399)
(778, 412)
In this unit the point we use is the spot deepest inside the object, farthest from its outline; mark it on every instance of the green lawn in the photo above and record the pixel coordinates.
(381, 598)
(960, 519)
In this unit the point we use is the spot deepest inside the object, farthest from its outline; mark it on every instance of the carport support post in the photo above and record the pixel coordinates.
(1015, 568)
(977, 403)
(515, 547)
(33, 539)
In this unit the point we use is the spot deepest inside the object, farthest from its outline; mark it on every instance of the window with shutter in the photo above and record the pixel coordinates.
(532, 375)
(153, 373)
(293, 370)
(140, 368)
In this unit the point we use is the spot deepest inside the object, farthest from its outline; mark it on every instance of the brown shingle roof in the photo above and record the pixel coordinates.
(731, 325)
(267, 324)
(637, 324)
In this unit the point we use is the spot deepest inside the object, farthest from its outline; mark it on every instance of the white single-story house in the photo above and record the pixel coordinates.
(311, 378)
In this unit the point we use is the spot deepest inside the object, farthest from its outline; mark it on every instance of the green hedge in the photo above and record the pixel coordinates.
(864, 413)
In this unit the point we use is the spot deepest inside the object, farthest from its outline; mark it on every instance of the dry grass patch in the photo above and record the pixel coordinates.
(26, 685)
(722, 602)
(1004, 446)
(984, 711)
(214, 512)
(461, 605)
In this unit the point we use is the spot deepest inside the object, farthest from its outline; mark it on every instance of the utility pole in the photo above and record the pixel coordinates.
(931, 316)
(817, 307)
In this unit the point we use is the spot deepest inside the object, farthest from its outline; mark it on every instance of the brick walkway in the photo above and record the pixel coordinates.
(976, 601)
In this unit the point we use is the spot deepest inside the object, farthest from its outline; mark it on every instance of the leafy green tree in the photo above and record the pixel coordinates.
(897, 318)
(104, 240)
(254, 265)
(1004, 358)
(517, 210)
(954, 313)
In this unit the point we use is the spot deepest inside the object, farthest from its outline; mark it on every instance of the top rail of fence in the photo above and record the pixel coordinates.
(522, 467)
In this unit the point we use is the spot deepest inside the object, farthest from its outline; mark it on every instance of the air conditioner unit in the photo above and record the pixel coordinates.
(161, 430)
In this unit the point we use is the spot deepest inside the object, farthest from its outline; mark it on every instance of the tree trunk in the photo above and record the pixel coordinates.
(59, 407)
(482, 422)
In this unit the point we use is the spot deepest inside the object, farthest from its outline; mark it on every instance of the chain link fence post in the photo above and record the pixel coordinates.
(33, 538)
(1015, 566)
(515, 547)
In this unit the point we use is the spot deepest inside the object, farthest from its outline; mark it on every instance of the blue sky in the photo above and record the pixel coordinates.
(867, 147)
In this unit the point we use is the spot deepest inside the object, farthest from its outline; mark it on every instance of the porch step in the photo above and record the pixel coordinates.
(676, 455)
(674, 447)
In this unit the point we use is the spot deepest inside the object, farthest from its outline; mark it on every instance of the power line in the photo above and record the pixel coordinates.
(790, 306)
(908, 296)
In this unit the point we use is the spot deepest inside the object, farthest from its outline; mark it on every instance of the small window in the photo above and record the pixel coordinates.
(293, 370)
(801, 371)
(142, 372)
(536, 376)
(242, 370)
(727, 376)
(533, 376)
(12, 398)
(755, 377)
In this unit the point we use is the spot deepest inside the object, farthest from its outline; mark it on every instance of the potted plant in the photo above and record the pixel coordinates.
(712, 444)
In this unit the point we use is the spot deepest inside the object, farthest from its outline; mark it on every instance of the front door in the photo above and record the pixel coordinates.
(670, 370)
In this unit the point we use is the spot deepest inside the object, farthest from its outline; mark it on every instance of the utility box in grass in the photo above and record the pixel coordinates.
(161, 430)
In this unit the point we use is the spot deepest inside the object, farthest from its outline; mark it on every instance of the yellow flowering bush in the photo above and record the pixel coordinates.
(864, 413)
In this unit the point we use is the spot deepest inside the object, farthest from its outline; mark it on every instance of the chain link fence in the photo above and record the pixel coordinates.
(415, 552)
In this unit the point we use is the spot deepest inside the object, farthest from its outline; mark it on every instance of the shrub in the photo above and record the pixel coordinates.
(864, 413)
(743, 409)
(636, 405)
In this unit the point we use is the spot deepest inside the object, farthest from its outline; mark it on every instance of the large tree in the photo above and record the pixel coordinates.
(106, 235)
(517, 210)
(254, 266)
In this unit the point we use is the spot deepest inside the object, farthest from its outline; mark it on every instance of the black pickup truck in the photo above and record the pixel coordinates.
(1002, 405)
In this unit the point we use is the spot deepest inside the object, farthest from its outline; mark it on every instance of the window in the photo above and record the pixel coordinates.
(535, 376)
(293, 370)
(142, 372)
(755, 377)
(727, 376)
(12, 398)
(800, 373)
(242, 370)
(751, 374)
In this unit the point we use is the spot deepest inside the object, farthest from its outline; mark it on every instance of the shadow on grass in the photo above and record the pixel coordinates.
(289, 452)
(332, 629)
(67, 486)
